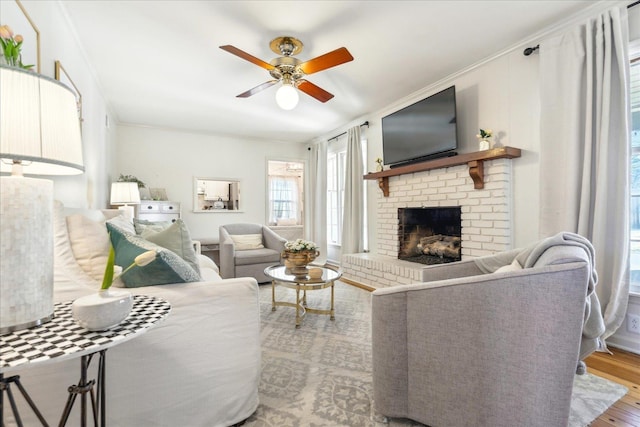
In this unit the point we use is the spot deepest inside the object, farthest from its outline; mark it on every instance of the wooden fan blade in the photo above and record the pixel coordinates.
(257, 89)
(328, 60)
(314, 91)
(244, 55)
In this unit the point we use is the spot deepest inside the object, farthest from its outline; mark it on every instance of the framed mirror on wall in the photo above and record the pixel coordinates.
(216, 195)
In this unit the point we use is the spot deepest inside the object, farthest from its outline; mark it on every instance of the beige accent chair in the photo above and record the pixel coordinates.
(248, 261)
(492, 341)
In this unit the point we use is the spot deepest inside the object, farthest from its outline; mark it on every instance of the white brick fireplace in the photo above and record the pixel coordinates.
(485, 214)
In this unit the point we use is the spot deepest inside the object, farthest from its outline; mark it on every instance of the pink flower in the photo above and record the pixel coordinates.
(11, 47)
(5, 32)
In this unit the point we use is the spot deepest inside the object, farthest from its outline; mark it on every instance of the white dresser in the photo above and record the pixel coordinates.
(153, 210)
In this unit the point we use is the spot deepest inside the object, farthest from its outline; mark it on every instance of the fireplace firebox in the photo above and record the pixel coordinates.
(430, 235)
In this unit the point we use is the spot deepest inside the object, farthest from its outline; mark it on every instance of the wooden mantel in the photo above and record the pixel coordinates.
(474, 160)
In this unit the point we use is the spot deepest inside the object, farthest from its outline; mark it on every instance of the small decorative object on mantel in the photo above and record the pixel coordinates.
(297, 254)
(107, 308)
(379, 165)
(484, 136)
(11, 48)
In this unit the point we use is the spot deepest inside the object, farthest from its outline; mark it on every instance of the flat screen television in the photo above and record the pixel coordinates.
(426, 129)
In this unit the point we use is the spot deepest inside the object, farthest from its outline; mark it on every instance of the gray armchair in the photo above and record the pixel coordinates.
(502, 334)
(237, 262)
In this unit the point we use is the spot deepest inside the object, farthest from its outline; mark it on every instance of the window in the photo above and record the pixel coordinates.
(335, 195)
(285, 188)
(635, 171)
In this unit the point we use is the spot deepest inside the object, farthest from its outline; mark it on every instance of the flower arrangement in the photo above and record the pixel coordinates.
(484, 134)
(11, 47)
(300, 245)
(140, 261)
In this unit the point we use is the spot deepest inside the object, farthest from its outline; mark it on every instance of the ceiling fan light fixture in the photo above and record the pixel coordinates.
(287, 97)
(292, 71)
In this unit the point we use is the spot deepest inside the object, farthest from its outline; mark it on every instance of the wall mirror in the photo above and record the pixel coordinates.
(216, 195)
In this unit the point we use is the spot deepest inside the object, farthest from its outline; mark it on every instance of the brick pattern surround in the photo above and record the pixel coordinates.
(486, 219)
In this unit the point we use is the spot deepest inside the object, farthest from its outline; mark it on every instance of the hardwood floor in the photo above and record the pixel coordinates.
(623, 368)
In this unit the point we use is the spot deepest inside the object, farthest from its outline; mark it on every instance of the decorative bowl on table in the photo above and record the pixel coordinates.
(298, 254)
(103, 310)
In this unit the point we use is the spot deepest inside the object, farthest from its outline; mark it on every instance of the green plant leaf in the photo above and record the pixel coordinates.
(108, 271)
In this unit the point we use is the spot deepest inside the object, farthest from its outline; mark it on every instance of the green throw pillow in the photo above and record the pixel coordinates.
(176, 238)
(142, 225)
(167, 268)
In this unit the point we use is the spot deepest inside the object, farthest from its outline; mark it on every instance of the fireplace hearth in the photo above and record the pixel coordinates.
(430, 235)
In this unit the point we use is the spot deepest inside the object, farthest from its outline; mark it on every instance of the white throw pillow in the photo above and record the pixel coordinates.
(514, 266)
(90, 244)
(244, 242)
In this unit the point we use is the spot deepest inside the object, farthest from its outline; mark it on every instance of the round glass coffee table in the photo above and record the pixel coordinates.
(282, 276)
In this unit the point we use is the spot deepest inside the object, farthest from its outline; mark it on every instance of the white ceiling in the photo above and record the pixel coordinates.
(159, 64)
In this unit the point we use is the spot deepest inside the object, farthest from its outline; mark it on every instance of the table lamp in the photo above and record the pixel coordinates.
(40, 135)
(125, 193)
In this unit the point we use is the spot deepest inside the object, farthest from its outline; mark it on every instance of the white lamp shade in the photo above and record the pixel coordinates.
(39, 124)
(287, 97)
(125, 193)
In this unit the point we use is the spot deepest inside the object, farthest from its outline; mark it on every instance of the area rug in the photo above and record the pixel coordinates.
(320, 374)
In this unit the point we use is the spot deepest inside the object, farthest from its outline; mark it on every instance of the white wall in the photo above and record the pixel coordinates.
(171, 159)
(58, 42)
(501, 95)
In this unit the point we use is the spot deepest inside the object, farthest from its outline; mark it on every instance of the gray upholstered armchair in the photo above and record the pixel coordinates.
(247, 249)
(502, 334)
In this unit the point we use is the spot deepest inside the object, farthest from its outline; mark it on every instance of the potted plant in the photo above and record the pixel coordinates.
(11, 48)
(484, 136)
(298, 253)
(131, 178)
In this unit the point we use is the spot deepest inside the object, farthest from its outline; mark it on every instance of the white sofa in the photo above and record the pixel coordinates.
(199, 367)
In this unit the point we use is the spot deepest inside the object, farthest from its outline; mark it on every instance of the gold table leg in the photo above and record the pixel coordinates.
(273, 295)
(333, 313)
(300, 303)
(298, 306)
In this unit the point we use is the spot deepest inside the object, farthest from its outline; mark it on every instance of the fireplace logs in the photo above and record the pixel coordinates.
(441, 246)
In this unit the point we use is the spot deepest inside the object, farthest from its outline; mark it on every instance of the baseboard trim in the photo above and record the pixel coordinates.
(357, 284)
(626, 345)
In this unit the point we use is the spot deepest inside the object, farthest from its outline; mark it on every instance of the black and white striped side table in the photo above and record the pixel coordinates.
(62, 338)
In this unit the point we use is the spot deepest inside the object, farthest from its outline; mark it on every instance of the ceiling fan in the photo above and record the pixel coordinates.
(291, 71)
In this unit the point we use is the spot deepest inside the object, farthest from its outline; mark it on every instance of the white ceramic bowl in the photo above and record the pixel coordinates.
(102, 310)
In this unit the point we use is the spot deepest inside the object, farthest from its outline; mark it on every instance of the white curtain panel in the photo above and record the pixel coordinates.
(353, 212)
(584, 149)
(316, 230)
